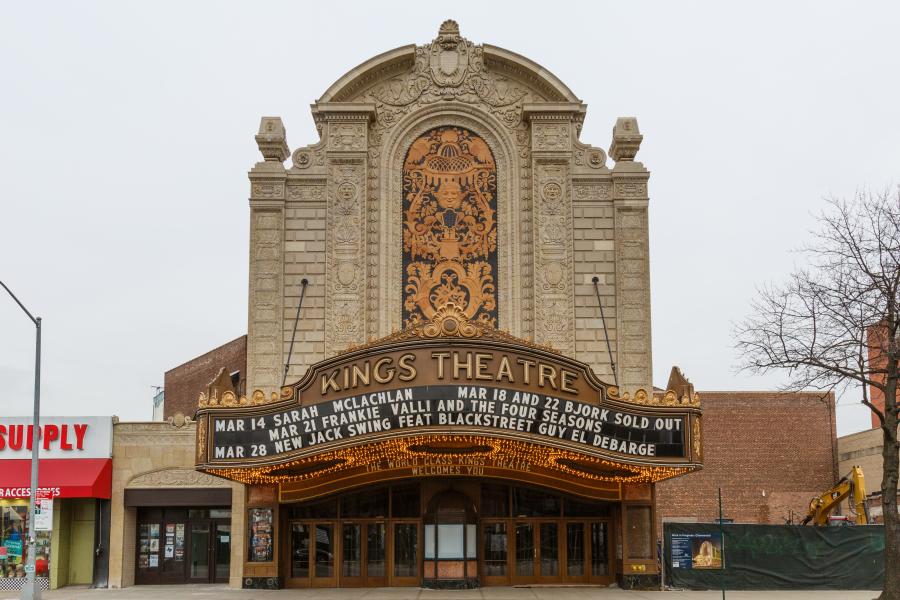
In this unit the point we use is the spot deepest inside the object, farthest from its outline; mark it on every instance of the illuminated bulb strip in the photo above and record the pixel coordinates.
(500, 449)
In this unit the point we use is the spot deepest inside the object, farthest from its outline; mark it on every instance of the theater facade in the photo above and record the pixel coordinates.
(449, 339)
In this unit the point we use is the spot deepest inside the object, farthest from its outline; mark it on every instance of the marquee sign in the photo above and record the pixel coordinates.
(451, 378)
(501, 410)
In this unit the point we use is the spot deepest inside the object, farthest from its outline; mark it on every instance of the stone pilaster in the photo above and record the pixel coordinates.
(552, 138)
(345, 131)
(266, 301)
(630, 200)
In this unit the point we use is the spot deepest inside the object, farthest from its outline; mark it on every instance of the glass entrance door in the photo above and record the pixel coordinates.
(376, 554)
(524, 553)
(548, 552)
(406, 548)
(198, 568)
(363, 554)
(600, 557)
(545, 551)
(313, 554)
(576, 553)
(222, 552)
(494, 553)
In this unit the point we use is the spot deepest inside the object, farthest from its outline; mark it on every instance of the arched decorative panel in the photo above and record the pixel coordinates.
(449, 226)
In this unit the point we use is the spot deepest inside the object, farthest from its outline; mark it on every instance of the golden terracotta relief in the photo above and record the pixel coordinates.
(449, 226)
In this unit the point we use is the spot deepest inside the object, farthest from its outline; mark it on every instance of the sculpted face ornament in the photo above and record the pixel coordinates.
(449, 226)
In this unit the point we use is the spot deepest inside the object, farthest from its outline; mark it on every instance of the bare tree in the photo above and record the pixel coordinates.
(836, 322)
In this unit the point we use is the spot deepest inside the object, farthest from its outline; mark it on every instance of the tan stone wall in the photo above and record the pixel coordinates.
(594, 257)
(159, 455)
(304, 257)
(862, 449)
(563, 215)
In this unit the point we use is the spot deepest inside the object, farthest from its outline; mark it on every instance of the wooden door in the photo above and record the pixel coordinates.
(523, 553)
(600, 566)
(549, 555)
(375, 556)
(575, 556)
(496, 560)
(313, 551)
(323, 554)
(406, 553)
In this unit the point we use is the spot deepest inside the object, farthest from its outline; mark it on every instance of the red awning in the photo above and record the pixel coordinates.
(65, 477)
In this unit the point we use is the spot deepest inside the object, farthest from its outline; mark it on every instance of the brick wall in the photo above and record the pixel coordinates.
(770, 453)
(184, 383)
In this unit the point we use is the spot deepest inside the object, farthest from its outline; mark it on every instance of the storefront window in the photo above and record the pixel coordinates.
(529, 502)
(494, 500)
(405, 501)
(327, 509)
(14, 544)
(368, 503)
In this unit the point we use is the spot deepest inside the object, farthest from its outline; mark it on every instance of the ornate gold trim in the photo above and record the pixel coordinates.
(449, 321)
(230, 399)
(668, 398)
(201, 440)
(698, 448)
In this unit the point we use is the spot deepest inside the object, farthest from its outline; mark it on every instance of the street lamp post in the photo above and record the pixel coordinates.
(31, 591)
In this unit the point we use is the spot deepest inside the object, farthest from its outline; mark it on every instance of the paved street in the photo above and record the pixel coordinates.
(221, 592)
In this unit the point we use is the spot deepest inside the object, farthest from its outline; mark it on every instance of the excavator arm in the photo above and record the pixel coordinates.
(823, 505)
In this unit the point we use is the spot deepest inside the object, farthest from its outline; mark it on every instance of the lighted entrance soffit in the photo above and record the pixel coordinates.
(437, 455)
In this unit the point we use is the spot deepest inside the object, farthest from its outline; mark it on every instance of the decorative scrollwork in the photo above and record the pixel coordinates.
(449, 226)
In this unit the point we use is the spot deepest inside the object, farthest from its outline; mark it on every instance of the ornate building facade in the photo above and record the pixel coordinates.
(451, 407)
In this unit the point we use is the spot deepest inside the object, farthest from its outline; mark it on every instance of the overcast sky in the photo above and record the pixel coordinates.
(126, 131)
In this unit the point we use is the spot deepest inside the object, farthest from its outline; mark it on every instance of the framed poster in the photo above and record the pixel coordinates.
(260, 541)
(697, 550)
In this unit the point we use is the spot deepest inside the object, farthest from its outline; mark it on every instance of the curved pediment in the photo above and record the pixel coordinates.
(447, 67)
(175, 478)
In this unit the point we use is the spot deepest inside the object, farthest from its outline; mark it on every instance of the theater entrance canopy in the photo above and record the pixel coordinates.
(449, 397)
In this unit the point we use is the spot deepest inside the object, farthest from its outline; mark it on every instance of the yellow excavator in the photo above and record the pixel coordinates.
(853, 486)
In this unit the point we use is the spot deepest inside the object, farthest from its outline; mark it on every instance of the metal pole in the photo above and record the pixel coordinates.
(303, 283)
(30, 591)
(722, 549)
(596, 281)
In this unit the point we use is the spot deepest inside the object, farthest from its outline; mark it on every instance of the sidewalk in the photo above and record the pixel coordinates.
(222, 592)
